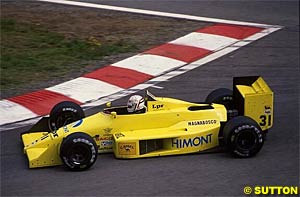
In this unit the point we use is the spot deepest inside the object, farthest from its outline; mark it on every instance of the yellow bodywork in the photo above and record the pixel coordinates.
(258, 102)
(41, 149)
(181, 130)
(168, 127)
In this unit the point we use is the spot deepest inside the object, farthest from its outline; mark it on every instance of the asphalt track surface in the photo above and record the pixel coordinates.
(275, 57)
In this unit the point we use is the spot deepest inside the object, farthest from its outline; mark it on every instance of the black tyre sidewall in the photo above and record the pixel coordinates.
(222, 96)
(78, 140)
(238, 126)
(62, 108)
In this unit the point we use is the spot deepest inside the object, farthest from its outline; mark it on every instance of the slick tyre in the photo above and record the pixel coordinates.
(222, 96)
(64, 113)
(243, 137)
(78, 151)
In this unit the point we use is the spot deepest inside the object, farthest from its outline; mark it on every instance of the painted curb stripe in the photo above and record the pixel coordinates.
(184, 69)
(138, 72)
(40, 102)
(179, 52)
(149, 64)
(121, 77)
(232, 31)
(6, 109)
(85, 89)
(205, 41)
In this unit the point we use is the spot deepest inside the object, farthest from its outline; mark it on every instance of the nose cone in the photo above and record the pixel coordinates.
(30, 139)
(42, 149)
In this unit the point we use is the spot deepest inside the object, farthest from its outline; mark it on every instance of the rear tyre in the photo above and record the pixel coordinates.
(222, 96)
(243, 136)
(78, 151)
(64, 113)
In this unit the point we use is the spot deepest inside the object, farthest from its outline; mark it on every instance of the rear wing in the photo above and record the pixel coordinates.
(254, 98)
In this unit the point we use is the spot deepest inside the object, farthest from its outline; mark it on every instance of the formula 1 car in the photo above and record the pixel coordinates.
(237, 119)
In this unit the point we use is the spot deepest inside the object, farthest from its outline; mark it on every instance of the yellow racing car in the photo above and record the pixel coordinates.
(238, 119)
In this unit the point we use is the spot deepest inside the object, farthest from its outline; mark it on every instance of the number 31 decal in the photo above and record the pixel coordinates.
(265, 119)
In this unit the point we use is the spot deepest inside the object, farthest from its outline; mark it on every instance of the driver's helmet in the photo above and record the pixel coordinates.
(135, 103)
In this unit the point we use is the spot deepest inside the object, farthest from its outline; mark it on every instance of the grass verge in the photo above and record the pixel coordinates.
(29, 53)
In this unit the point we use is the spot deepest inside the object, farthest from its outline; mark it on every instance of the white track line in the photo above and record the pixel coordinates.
(155, 13)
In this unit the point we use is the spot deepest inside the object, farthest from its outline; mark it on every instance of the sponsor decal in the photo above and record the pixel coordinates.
(267, 110)
(69, 109)
(107, 130)
(97, 137)
(55, 133)
(192, 142)
(118, 135)
(78, 123)
(106, 143)
(227, 98)
(103, 138)
(127, 148)
(44, 137)
(157, 106)
(66, 130)
(201, 122)
(105, 148)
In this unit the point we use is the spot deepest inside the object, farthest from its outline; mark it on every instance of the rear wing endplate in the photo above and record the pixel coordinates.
(254, 98)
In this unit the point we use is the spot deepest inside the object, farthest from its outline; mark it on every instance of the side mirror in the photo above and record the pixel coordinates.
(114, 114)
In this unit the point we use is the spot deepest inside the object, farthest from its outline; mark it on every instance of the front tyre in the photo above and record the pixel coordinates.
(64, 113)
(78, 151)
(243, 136)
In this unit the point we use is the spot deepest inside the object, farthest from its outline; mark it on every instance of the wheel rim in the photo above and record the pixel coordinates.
(246, 140)
(80, 154)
